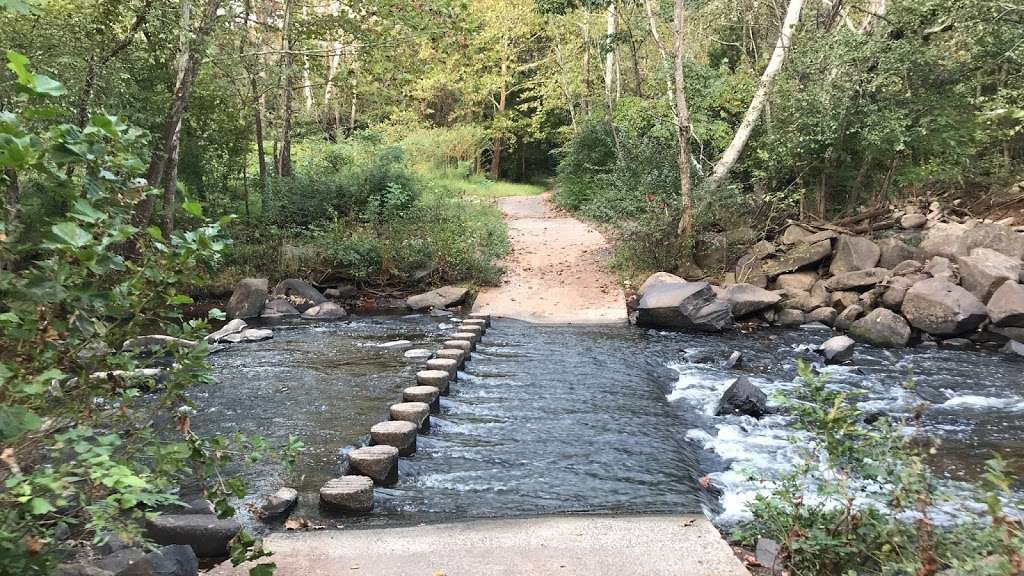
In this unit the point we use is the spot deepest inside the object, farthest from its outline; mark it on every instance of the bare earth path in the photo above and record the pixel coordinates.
(557, 271)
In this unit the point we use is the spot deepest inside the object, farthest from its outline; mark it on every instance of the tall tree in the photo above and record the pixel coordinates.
(284, 157)
(682, 121)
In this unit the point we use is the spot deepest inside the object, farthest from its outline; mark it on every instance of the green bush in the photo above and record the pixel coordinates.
(95, 437)
(860, 502)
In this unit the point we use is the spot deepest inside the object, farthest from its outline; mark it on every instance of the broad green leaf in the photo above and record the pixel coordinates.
(71, 233)
(193, 208)
(45, 85)
(267, 569)
(155, 233)
(17, 6)
(85, 212)
(16, 420)
(39, 506)
(178, 299)
(18, 63)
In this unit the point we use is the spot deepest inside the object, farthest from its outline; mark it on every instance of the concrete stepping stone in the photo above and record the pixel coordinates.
(378, 463)
(426, 394)
(447, 364)
(478, 330)
(481, 316)
(416, 412)
(464, 345)
(397, 433)
(475, 322)
(456, 354)
(439, 379)
(473, 337)
(351, 495)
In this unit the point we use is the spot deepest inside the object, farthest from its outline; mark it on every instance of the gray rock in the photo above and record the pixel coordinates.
(894, 251)
(846, 318)
(439, 298)
(81, 570)
(797, 257)
(691, 305)
(843, 299)
(857, 279)
(837, 349)
(119, 560)
(819, 236)
(279, 307)
(803, 301)
(854, 253)
(416, 412)
(749, 271)
(907, 267)
(942, 268)
(1014, 347)
(325, 311)
(658, 279)
(941, 308)
(767, 553)
(869, 299)
(825, 315)
(746, 299)
(300, 293)
(881, 327)
(280, 502)
(793, 234)
(418, 353)
(248, 298)
(996, 237)
(155, 343)
(789, 317)
(396, 344)
(985, 270)
(397, 433)
(797, 281)
(205, 533)
(1006, 307)
(913, 221)
(895, 292)
(734, 360)
(351, 495)
(743, 398)
(257, 334)
(378, 463)
(175, 560)
(942, 239)
(232, 327)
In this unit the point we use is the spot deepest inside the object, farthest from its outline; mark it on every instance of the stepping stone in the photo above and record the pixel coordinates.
(416, 412)
(456, 354)
(397, 433)
(481, 316)
(475, 322)
(478, 330)
(208, 535)
(464, 345)
(436, 378)
(426, 394)
(447, 364)
(417, 353)
(473, 337)
(351, 495)
(378, 463)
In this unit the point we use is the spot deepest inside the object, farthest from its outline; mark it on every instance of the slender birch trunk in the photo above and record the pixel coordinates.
(757, 103)
(682, 123)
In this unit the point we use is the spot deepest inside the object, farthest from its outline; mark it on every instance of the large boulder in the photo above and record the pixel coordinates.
(743, 398)
(232, 327)
(657, 279)
(439, 298)
(942, 308)
(1006, 307)
(746, 299)
(857, 279)
(280, 307)
(1002, 239)
(691, 305)
(942, 268)
(208, 535)
(799, 256)
(750, 271)
(985, 270)
(794, 233)
(893, 251)
(942, 239)
(881, 327)
(854, 253)
(913, 221)
(248, 298)
(300, 293)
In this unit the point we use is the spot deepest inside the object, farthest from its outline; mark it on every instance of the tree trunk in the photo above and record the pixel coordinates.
(682, 123)
(258, 113)
(499, 139)
(191, 59)
(757, 103)
(171, 185)
(609, 59)
(586, 64)
(284, 158)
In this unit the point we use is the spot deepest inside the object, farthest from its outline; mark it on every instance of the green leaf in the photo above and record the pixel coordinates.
(17, 6)
(155, 233)
(18, 63)
(39, 506)
(193, 208)
(71, 233)
(216, 314)
(16, 420)
(49, 86)
(85, 212)
(179, 299)
(267, 569)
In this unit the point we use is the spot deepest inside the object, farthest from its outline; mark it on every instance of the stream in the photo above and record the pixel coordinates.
(560, 419)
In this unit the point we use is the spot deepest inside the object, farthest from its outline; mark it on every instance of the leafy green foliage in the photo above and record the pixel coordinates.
(95, 436)
(860, 501)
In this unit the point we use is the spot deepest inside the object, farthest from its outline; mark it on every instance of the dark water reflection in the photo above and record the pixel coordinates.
(551, 419)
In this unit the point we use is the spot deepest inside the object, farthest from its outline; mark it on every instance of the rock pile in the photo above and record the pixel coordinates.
(291, 297)
(934, 280)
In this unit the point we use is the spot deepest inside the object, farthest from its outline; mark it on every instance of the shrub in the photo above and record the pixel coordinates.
(861, 501)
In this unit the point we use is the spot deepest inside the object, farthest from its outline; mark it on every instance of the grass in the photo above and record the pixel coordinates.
(482, 187)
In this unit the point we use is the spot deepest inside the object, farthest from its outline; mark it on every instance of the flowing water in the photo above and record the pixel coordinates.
(550, 419)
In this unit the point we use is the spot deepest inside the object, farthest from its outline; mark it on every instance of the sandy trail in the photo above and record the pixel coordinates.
(557, 270)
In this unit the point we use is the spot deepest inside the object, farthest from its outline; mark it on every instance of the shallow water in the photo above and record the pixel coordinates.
(549, 419)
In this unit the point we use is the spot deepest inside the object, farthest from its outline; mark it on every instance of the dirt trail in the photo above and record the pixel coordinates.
(557, 270)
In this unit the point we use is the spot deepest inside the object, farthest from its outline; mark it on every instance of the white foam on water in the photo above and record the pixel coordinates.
(975, 402)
